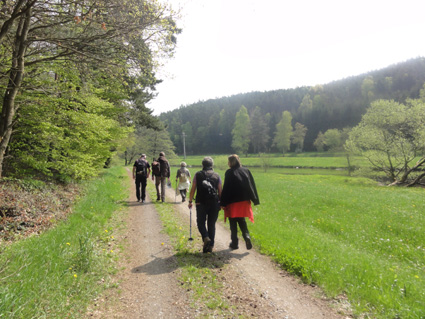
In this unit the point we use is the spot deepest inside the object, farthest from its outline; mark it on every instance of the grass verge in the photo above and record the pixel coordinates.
(349, 236)
(198, 272)
(57, 274)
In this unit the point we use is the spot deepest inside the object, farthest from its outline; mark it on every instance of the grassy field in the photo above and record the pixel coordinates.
(346, 234)
(57, 274)
(302, 160)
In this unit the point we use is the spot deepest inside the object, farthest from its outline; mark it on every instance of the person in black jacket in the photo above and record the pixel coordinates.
(164, 167)
(141, 171)
(239, 191)
(207, 186)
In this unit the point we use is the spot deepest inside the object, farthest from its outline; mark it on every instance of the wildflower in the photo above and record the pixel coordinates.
(112, 237)
(75, 276)
(106, 230)
(68, 244)
(162, 243)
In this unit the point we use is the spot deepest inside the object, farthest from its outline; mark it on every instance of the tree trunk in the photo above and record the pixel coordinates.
(15, 80)
(417, 180)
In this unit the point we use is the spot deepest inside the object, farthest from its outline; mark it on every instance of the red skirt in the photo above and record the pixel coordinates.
(239, 209)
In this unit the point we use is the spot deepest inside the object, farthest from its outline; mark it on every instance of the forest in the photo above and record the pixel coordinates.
(74, 80)
(208, 125)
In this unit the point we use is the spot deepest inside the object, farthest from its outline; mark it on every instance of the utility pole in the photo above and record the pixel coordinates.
(184, 145)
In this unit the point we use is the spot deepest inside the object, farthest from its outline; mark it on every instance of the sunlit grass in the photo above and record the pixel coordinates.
(349, 236)
(57, 274)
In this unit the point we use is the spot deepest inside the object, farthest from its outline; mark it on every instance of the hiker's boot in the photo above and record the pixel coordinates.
(247, 241)
(233, 245)
(207, 242)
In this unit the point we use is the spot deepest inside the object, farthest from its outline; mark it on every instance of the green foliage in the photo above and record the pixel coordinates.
(391, 136)
(259, 131)
(298, 136)
(89, 80)
(150, 142)
(282, 138)
(335, 105)
(241, 131)
(65, 137)
(319, 142)
(59, 273)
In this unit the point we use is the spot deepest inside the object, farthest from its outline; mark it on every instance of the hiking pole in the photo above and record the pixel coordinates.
(190, 236)
(175, 195)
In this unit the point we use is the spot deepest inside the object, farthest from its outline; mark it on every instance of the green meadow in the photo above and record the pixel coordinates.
(348, 235)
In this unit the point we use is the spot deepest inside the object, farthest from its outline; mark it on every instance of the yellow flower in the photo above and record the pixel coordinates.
(106, 230)
(112, 237)
(416, 276)
(68, 244)
(75, 275)
(162, 243)
(112, 251)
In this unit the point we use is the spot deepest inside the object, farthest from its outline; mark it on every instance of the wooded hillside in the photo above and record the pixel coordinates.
(208, 124)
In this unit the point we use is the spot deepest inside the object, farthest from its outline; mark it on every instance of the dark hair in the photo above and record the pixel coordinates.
(162, 154)
(207, 162)
(234, 161)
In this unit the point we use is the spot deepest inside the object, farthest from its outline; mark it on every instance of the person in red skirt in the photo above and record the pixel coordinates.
(238, 192)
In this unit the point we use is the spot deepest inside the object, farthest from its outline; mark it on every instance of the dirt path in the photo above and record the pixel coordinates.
(254, 286)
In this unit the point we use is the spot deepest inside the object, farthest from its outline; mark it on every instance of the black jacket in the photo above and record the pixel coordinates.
(239, 186)
(164, 166)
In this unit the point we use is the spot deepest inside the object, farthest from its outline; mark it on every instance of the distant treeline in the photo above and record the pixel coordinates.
(207, 125)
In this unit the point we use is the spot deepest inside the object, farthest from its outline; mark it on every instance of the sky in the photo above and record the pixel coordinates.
(229, 47)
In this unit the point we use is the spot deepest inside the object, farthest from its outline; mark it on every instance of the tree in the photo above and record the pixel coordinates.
(150, 142)
(306, 107)
(319, 142)
(241, 131)
(259, 131)
(391, 136)
(368, 88)
(298, 136)
(109, 38)
(333, 139)
(282, 138)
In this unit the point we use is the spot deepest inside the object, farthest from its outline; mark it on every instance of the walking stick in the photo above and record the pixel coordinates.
(190, 236)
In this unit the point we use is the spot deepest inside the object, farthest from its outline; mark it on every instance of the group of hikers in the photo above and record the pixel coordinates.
(234, 197)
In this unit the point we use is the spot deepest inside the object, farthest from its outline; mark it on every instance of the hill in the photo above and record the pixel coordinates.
(208, 124)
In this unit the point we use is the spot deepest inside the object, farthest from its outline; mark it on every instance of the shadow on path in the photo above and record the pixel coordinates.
(159, 265)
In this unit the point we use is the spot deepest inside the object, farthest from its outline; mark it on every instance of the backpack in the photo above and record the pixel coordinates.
(212, 192)
(183, 177)
(156, 168)
(141, 167)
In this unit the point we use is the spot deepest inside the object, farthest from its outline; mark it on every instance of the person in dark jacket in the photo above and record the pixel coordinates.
(207, 186)
(239, 191)
(164, 168)
(141, 171)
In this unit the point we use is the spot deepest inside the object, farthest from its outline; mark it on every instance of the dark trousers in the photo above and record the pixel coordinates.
(141, 184)
(206, 217)
(157, 186)
(183, 194)
(234, 229)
